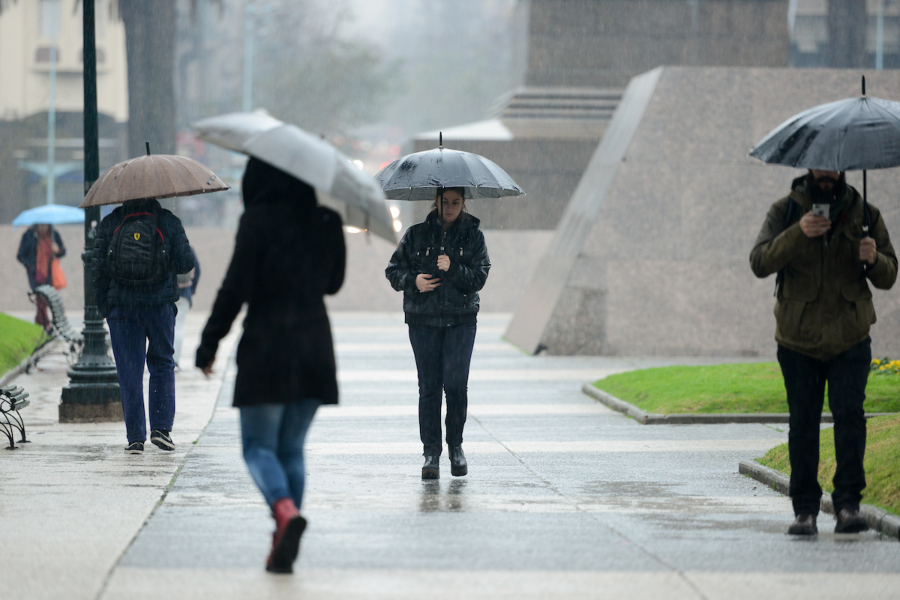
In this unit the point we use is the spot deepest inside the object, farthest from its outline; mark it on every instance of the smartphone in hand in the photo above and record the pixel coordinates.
(821, 210)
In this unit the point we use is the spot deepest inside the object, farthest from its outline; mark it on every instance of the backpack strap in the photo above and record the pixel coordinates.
(792, 209)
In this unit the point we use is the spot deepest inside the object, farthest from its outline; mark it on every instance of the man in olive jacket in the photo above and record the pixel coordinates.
(823, 313)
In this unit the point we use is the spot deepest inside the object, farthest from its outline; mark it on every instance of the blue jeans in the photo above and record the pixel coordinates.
(141, 334)
(273, 436)
(443, 356)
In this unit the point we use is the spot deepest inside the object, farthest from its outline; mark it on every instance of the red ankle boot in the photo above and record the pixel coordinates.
(289, 527)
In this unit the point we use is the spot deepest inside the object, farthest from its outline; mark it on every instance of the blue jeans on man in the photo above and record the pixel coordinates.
(140, 334)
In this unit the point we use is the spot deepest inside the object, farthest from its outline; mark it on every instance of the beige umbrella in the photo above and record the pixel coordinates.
(156, 176)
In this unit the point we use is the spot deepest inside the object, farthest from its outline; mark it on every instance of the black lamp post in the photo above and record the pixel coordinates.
(93, 392)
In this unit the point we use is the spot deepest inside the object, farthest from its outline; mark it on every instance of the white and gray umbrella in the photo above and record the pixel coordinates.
(339, 183)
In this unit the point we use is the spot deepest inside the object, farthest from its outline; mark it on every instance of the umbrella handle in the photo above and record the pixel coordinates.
(865, 265)
(865, 227)
(441, 219)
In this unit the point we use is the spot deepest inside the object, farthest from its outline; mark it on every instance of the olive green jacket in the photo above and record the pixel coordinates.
(824, 305)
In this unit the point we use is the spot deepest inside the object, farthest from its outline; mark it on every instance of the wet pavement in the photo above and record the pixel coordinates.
(564, 498)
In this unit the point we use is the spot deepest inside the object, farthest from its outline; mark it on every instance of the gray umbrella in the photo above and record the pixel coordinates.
(421, 176)
(848, 135)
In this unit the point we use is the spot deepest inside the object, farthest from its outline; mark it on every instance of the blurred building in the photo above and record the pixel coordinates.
(808, 21)
(578, 57)
(31, 33)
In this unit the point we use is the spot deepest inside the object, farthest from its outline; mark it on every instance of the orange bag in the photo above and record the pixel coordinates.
(57, 277)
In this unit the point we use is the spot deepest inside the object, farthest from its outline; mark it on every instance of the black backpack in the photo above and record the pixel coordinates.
(137, 252)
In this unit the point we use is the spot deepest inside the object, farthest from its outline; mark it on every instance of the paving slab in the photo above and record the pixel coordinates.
(564, 498)
(71, 500)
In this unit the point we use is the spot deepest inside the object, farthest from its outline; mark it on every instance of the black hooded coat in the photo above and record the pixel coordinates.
(289, 252)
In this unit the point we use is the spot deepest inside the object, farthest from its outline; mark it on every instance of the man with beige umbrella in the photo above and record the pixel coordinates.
(139, 249)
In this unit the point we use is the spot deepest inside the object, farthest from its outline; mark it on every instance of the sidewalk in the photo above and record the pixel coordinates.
(71, 501)
(564, 498)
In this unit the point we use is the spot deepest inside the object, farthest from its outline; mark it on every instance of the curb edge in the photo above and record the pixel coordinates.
(878, 519)
(692, 418)
(14, 372)
(619, 405)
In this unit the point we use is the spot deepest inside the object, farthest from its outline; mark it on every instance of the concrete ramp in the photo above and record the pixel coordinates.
(651, 255)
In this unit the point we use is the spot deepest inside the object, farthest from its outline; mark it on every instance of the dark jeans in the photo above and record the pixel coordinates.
(138, 334)
(272, 436)
(804, 380)
(443, 355)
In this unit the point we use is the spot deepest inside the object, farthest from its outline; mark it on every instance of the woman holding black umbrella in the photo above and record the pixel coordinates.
(440, 266)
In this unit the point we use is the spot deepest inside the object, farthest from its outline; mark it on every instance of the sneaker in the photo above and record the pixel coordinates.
(135, 448)
(161, 440)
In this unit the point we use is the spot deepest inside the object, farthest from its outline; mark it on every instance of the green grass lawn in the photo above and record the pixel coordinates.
(730, 388)
(17, 340)
(882, 458)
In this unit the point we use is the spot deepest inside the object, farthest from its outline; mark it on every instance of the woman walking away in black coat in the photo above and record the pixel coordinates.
(440, 272)
(288, 254)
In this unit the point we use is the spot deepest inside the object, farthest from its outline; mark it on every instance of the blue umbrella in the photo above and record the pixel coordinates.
(50, 214)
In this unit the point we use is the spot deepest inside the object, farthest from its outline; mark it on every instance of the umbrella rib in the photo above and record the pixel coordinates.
(164, 173)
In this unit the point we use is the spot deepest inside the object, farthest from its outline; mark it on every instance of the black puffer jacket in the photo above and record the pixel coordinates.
(107, 292)
(456, 301)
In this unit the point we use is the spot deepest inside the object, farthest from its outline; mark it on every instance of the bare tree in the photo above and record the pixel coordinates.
(311, 75)
(150, 47)
(847, 24)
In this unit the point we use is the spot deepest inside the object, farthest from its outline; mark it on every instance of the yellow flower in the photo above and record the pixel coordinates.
(876, 362)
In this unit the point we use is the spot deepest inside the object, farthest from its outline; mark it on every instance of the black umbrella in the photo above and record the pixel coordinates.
(848, 135)
(424, 175)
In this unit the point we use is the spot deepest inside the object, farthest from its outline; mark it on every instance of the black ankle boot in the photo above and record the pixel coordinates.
(432, 467)
(850, 521)
(458, 465)
(804, 524)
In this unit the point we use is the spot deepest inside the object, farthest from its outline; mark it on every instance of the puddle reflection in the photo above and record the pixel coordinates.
(449, 498)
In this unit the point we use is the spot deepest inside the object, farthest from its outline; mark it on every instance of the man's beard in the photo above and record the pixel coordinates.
(835, 194)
